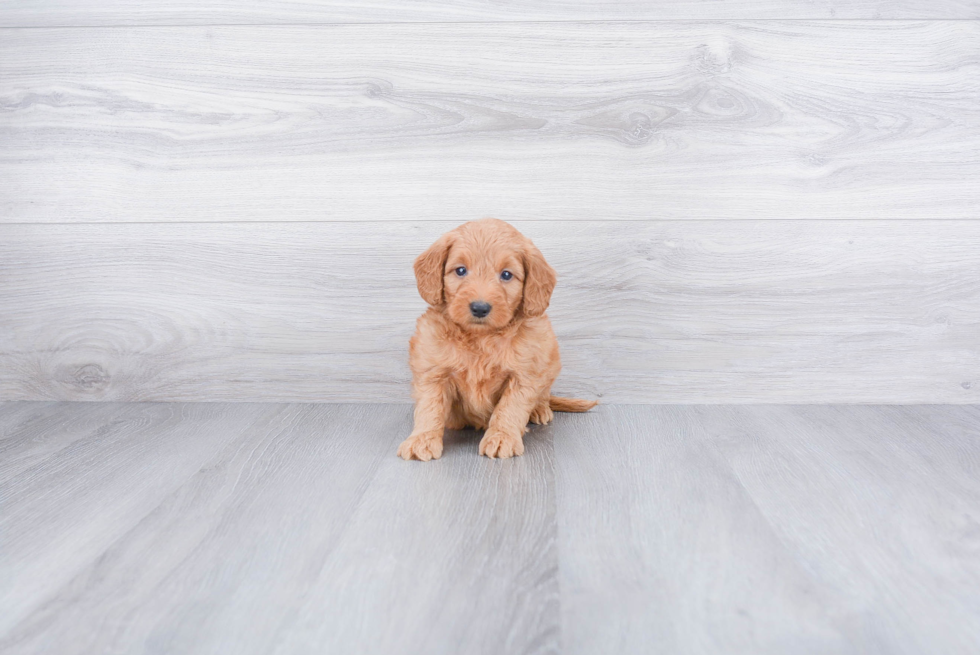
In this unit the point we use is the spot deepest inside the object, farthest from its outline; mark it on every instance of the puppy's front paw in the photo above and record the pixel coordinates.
(423, 446)
(499, 444)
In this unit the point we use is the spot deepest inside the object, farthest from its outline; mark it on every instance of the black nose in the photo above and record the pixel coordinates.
(479, 308)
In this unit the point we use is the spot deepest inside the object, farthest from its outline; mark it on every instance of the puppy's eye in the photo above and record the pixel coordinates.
(506, 275)
(461, 271)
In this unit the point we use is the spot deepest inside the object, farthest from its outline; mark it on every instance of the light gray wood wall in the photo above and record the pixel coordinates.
(702, 311)
(554, 121)
(215, 203)
(222, 12)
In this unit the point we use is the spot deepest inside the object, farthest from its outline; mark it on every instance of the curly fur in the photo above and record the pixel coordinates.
(492, 373)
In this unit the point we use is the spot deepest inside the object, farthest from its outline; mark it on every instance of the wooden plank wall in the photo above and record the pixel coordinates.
(47, 13)
(745, 201)
(555, 121)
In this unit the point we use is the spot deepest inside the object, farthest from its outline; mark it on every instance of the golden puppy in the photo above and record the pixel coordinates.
(484, 354)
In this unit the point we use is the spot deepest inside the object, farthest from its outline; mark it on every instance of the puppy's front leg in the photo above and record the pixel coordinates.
(505, 434)
(425, 442)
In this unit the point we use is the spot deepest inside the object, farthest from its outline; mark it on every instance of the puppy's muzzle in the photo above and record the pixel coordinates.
(480, 309)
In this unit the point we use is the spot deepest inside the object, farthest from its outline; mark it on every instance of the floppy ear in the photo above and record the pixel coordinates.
(429, 269)
(539, 281)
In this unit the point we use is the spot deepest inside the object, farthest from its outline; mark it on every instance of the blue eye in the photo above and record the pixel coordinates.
(461, 271)
(506, 275)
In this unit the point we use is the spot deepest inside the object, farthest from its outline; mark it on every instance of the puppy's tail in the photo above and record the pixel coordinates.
(559, 404)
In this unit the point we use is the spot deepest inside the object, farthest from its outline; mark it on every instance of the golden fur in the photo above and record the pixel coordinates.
(494, 372)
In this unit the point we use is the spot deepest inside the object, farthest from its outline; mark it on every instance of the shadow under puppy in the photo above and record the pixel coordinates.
(483, 354)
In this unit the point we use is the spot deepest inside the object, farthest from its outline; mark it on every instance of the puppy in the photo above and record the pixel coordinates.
(483, 354)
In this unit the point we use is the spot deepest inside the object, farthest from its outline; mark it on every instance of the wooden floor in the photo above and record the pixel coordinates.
(273, 528)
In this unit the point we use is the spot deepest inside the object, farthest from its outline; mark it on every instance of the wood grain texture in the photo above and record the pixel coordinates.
(770, 530)
(725, 311)
(52, 432)
(293, 536)
(216, 528)
(96, 489)
(458, 557)
(141, 12)
(589, 121)
(234, 525)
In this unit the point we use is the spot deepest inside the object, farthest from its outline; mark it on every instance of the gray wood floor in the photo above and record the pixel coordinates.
(260, 528)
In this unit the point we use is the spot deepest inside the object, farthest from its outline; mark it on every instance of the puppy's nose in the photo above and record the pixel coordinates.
(479, 308)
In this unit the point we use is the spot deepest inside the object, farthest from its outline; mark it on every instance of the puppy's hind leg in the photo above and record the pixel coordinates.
(542, 414)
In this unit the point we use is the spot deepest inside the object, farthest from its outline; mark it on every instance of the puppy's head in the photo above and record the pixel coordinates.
(483, 274)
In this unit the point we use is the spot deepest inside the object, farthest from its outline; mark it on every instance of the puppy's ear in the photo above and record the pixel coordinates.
(430, 267)
(539, 281)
